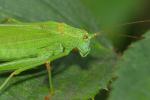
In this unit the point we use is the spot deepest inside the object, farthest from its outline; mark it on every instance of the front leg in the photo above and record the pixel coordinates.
(49, 70)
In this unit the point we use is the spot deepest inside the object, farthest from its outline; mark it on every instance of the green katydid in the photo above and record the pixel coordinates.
(27, 45)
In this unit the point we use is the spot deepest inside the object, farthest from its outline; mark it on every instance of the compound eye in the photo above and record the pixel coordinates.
(86, 30)
(85, 37)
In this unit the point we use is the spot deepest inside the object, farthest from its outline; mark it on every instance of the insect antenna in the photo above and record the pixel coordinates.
(95, 34)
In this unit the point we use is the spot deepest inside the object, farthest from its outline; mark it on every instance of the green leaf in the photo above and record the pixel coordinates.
(133, 74)
(73, 77)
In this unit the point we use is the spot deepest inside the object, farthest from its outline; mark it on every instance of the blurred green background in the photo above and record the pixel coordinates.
(109, 13)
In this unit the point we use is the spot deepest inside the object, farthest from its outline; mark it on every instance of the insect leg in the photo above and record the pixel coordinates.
(50, 80)
(30, 63)
(66, 52)
(10, 20)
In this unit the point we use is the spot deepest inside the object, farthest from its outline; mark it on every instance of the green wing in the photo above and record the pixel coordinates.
(25, 36)
(25, 40)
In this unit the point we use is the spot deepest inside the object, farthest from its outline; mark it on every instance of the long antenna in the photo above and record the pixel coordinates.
(118, 26)
(122, 35)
